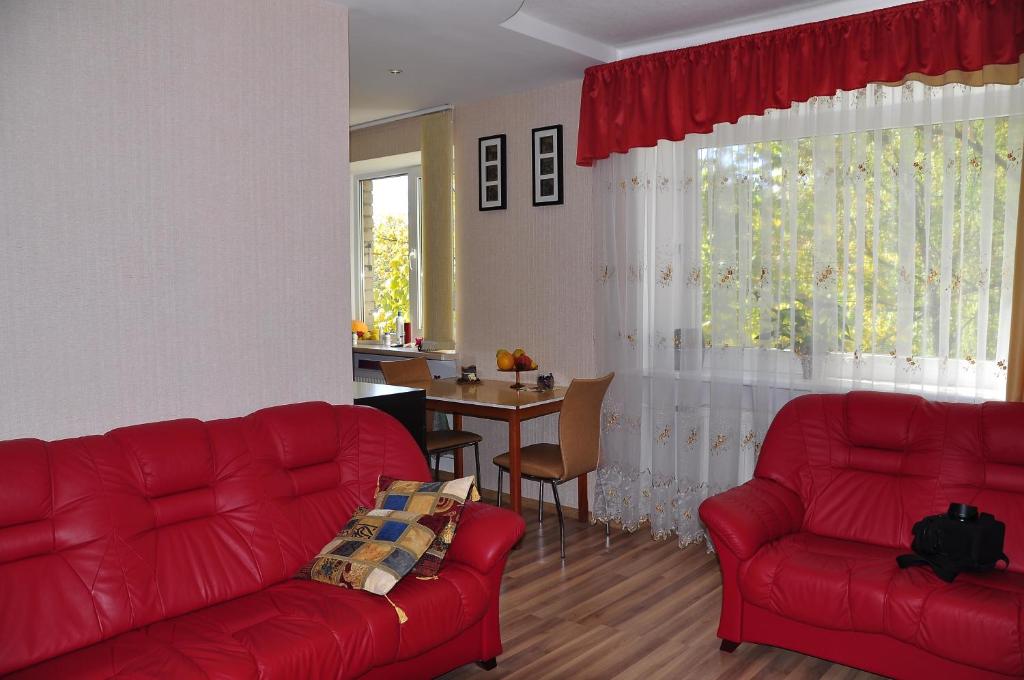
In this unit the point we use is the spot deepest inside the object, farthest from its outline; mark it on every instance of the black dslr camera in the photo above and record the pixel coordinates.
(960, 540)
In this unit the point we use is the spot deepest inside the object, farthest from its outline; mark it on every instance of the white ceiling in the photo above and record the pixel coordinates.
(450, 52)
(456, 51)
(615, 22)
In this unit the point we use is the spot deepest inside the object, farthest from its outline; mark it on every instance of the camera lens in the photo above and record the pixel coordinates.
(962, 512)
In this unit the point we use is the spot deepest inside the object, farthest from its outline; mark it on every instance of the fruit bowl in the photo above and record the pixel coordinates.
(515, 362)
(517, 385)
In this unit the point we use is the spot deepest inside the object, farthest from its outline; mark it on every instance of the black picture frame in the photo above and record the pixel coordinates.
(548, 184)
(492, 176)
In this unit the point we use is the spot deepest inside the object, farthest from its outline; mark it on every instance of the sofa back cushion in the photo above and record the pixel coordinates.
(984, 466)
(320, 463)
(868, 465)
(189, 513)
(60, 587)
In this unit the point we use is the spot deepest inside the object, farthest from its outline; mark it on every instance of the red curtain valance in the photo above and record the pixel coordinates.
(636, 102)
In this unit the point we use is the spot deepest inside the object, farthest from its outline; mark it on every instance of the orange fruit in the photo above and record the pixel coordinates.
(506, 362)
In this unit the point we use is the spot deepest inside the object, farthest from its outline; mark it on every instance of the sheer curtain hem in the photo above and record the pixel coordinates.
(684, 540)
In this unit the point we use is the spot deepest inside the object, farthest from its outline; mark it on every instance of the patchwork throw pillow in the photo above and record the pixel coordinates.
(442, 500)
(374, 550)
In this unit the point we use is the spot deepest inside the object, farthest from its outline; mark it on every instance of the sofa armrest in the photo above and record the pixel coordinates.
(485, 535)
(752, 514)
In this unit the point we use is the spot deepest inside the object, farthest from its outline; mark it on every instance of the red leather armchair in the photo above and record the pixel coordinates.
(808, 547)
(166, 550)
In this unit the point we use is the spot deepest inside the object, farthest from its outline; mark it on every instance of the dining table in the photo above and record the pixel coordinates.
(497, 400)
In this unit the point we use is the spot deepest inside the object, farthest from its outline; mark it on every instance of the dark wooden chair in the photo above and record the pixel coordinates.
(416, 373)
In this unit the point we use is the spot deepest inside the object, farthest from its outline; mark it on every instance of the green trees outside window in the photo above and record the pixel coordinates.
(390, 270)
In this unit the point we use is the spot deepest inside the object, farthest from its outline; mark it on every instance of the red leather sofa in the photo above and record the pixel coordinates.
(808, 547)
(165, 551)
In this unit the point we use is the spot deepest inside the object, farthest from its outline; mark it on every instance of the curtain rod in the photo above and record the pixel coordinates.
(400, 116)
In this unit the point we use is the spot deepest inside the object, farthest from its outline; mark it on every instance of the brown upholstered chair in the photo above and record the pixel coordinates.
(413, 373)
(577, 452)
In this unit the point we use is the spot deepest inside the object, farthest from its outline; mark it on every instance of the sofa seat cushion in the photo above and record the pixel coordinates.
(294, 629)
(845, 585)
(129, 656)
(821, 581)
(977, 620)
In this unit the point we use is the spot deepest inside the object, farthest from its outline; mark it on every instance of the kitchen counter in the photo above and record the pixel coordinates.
(361, 391)
(366, 361)
(410, 351)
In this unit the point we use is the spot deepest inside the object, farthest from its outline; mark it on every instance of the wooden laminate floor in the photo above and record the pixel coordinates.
(637, 609)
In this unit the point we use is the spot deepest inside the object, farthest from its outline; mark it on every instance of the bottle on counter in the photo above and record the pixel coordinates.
(400, 328)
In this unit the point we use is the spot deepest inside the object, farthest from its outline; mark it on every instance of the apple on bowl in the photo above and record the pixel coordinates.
(525, 363)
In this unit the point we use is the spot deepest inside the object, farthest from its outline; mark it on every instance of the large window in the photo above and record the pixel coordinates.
(859, 241)
(388, 277)
(865, 231)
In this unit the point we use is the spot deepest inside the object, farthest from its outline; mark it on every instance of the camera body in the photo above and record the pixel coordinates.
(962, 539)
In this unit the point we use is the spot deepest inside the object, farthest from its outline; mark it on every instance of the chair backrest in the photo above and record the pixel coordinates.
(579, 425)
(405, 372)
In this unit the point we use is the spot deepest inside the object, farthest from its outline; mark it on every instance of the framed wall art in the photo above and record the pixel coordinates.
(492, 172)
(547, 165)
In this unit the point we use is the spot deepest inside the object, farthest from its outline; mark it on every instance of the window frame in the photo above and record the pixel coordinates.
(745, 373)
(414, 173)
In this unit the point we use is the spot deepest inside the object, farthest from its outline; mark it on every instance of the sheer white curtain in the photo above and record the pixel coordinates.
(860, 241)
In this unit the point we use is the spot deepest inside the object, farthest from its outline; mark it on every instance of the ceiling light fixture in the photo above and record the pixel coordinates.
(395, 71)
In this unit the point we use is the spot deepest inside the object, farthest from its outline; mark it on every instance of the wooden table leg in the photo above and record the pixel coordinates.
(457, 424)
(582, 502)
(515, 465)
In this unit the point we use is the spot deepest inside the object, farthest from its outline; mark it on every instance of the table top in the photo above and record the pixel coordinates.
(492, 393)
(364, 390)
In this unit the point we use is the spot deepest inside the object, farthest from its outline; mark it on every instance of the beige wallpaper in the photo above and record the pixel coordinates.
(173, 210)
(389, 139)
(524, 274)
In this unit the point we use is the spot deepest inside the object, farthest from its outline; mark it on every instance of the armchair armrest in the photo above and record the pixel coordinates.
(752, 514)
(485, 535)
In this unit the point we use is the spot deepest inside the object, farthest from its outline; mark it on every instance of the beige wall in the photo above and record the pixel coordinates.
(524, 274)
(173, 210)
